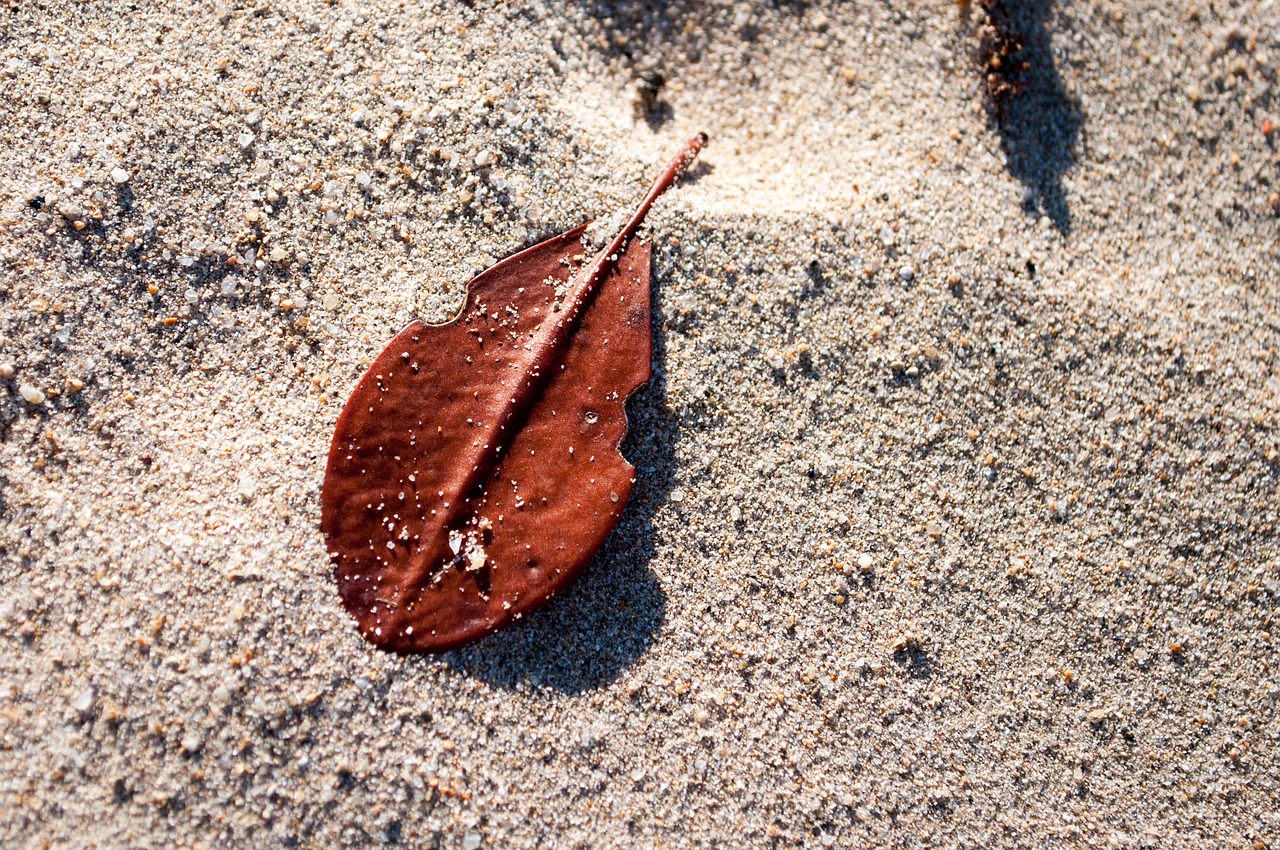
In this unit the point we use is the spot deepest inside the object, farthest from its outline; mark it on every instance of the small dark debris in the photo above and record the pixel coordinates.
(121, 792)
(1001, 47)
(647, 97)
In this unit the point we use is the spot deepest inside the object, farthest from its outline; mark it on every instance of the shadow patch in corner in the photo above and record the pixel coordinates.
(1039, 122)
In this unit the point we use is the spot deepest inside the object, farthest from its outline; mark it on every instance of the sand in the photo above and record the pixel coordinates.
(956, 523)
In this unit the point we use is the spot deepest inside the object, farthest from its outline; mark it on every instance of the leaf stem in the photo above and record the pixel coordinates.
(551, 337)
(664, 182)
(594, 273)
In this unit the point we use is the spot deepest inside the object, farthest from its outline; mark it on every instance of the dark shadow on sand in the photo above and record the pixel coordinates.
(1040, 127)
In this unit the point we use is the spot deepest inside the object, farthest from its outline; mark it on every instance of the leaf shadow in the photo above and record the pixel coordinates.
(605, 621)
(1041, 126)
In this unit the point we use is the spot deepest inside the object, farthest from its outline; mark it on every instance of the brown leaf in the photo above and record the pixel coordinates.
(475, 471)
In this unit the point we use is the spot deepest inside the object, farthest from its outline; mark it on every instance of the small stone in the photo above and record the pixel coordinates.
(907, 642)
(246, 485)
(677, 496)
(907, 273)
(119, 176)
(364, 179)
(279, 255)
(192, 744)
(331, 301)
(31, 395)
(7, 371)
(73, 385)
(245, 139)
(471, 841)
(83, 703)
(865, 562)
(485, 158)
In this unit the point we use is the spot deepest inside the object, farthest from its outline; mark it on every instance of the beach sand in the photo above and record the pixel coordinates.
(956, 519)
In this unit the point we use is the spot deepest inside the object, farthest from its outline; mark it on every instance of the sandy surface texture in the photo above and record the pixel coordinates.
(956, 520)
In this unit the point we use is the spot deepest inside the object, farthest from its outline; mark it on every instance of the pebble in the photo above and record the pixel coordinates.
(192, 744)
(471, 841)
(119, 176)
(907, 273)
(31, 395)
(83, 703)
(677, 496)
(7, 370)
(485, 158)
(245, 139)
